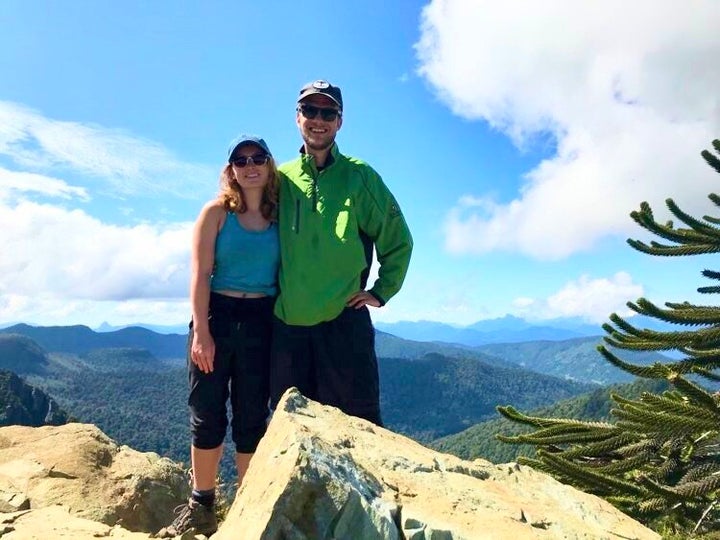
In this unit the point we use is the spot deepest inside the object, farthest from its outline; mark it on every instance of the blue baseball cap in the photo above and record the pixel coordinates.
(242, 140)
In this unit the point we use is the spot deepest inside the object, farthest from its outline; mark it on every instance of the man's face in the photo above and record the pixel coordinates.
(317, 133)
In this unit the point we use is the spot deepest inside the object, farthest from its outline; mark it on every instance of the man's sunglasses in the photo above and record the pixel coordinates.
(257, 159)
(328, 114)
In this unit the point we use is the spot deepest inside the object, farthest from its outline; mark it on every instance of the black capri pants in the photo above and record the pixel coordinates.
(241, 328)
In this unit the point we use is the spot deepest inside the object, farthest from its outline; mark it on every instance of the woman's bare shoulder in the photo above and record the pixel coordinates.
(213, 213)
(214, 208)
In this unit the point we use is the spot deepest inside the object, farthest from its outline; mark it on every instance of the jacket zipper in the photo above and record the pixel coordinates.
(297, 216)
(314, 194)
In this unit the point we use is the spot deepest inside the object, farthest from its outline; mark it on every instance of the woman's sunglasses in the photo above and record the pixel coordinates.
(244, 161)
(328, 114)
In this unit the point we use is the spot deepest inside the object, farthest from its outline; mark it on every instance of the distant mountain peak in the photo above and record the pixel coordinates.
(105, 327)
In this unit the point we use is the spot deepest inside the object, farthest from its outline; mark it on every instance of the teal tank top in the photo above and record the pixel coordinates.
(246, 260)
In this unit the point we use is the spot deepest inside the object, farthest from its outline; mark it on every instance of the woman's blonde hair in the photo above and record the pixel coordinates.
(231, 193)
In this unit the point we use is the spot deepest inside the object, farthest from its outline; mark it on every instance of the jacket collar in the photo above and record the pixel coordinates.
(332, 156)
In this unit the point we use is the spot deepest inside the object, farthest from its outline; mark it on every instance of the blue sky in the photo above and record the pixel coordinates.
(516, 137)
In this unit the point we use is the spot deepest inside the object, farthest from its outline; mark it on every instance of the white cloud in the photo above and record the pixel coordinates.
(629, 91)
(49, 310)
(14, 183)
(70, 256)
(62, 265)
(591, 299)
(523, 302)
(587, 298)
(124, 164)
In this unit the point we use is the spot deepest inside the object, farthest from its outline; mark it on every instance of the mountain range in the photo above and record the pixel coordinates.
(440, 389)
(508, 329)
(79, 339)
(500, 330)
(573, 359)
(132, 382)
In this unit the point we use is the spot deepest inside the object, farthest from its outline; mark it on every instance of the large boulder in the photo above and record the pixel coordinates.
(319, 474)
(92, 477)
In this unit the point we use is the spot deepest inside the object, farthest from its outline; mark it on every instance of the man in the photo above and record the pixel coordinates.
(333, 210)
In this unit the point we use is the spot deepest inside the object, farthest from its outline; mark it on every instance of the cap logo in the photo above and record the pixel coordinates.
(321, 85)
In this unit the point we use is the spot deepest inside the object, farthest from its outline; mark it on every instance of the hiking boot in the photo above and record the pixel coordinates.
(192, 515)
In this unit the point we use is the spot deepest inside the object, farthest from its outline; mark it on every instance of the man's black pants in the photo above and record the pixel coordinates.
(333, 363)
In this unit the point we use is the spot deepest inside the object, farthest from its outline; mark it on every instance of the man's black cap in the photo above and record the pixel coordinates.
(324, 88)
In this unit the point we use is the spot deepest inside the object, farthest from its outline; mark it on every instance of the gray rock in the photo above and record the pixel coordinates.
(320, 474)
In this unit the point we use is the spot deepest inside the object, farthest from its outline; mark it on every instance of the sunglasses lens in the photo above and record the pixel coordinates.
(258, 159)
(311, 111)
(328, 114)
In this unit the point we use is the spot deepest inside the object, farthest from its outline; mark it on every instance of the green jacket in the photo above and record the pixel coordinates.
(329, 222)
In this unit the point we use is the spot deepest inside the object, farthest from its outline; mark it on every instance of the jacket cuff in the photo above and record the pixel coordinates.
(378, 298)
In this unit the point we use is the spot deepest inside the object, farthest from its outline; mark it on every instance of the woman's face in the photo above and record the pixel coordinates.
(251, 167)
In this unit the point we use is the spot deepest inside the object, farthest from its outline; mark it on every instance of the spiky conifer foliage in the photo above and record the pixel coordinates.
(659, 461)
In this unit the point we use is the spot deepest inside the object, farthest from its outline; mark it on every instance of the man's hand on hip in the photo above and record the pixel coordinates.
(363, 298)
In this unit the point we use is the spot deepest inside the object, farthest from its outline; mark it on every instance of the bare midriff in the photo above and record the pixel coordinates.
(242, 294)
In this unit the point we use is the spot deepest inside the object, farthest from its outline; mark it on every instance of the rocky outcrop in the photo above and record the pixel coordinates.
(58, 523)
(26, 405)
(79, 468)
(320, 474)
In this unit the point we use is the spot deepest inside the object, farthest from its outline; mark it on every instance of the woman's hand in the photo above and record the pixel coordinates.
(202, 351)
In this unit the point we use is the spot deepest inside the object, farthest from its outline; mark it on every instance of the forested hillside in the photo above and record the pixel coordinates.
(436, 395)
(130, 395)
(576, 359)
(391, 346)
(141, 401)
(21, 354)
(479, 441)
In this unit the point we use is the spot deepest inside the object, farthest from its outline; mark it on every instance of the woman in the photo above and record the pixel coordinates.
(235, 256)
